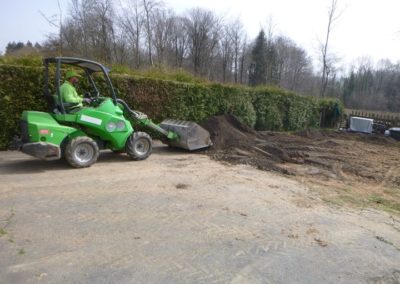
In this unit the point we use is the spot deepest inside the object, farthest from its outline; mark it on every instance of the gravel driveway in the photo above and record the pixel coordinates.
(181, 218)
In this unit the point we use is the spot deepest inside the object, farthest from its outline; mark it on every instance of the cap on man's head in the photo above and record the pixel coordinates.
(71, 73)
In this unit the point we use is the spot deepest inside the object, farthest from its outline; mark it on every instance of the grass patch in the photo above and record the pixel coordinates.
(342, 200)
(374, 201)
(2, 232)
(385, 204)
(21, 251)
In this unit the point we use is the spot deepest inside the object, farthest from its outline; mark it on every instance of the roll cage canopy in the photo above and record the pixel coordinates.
(88, 66)
(79, 62)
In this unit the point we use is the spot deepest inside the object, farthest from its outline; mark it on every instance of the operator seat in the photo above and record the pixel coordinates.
(69, 107)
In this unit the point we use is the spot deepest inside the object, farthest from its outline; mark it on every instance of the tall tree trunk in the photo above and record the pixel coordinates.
(325, 64)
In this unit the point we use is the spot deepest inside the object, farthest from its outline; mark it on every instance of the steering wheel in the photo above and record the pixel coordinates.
(92, 95)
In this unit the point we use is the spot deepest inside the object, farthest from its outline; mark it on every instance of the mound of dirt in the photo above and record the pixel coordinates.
(317, 153)
(237, 143)
(227, 131)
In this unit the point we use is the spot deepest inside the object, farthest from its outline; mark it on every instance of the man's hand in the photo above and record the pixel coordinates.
(87, 100)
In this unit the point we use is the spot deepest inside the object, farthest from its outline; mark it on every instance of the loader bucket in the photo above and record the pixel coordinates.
(191, 135)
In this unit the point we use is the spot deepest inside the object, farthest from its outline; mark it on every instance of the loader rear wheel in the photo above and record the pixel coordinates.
(81, 152)
(139, 146)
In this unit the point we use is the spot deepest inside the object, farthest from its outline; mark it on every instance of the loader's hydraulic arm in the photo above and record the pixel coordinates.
(145, 121)
(182, 134)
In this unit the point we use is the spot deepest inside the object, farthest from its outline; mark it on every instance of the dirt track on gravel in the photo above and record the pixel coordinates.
(182, 218)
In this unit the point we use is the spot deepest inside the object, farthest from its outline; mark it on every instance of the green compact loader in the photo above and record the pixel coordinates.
(78, 134)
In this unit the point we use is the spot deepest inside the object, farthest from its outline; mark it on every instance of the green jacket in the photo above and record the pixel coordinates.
(69, 94)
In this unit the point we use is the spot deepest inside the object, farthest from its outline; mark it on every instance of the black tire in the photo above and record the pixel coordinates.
(139, 146)
(81, 152)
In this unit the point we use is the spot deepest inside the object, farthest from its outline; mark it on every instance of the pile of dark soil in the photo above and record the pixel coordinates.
(322, 153)
(227, 131)
(236, 143)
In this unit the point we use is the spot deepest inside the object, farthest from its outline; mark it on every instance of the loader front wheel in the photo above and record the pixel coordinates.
(139, 146)
(81, 152)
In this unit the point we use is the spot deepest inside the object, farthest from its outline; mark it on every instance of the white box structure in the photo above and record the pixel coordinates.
(361, 124)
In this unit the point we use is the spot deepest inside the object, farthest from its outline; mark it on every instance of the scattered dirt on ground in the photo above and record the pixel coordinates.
(325, 157)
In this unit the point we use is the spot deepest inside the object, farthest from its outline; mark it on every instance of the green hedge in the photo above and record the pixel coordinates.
(21, 88)
(279, 110)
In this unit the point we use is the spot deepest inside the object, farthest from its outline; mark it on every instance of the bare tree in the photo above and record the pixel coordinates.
(327, 61)
(163, 21)
(79, 25)
(121, 49)
(57, 22)
(131, 22)
(180, 40)
(236, 34)
(89, 30)
(294, 64)
(203, 28)
(103, 16)
(226, 53)
(149, 6)
(244, 61)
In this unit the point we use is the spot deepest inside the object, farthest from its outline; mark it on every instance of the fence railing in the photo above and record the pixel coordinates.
(389, 119)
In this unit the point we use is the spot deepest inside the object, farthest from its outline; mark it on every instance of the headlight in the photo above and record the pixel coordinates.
(110, 126)
(121, 125)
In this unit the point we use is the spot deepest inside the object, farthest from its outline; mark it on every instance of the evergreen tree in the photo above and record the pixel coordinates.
(258, 67)
(37, 45)
(10, 47)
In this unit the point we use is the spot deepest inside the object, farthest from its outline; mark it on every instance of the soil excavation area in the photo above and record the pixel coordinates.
(362, 169)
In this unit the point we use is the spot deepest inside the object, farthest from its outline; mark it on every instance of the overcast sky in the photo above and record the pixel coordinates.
(366, 28)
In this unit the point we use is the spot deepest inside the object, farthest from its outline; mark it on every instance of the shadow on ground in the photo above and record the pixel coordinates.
(32, 165)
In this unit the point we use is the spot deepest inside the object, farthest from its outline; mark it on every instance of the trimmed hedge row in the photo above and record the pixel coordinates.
(21, 88)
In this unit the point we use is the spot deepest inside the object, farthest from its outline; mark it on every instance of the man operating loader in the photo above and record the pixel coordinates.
(68, 91)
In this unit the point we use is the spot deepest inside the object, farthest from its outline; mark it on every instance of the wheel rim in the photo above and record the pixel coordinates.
(142, 146)
(83, 153)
